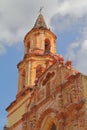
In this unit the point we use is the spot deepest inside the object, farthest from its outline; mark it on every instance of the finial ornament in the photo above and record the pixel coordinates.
(40, 9)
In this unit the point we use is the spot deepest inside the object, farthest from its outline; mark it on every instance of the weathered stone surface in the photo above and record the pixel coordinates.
(51, 95)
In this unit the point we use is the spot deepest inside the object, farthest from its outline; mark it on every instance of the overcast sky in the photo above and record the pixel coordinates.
(66, 18)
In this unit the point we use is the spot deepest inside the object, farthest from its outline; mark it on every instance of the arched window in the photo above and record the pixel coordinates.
(47, 46)
(53, 127)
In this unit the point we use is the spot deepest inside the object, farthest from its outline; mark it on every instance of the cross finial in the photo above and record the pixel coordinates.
(40, 9)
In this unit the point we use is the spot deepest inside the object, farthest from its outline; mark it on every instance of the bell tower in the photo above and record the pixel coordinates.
(39, 48)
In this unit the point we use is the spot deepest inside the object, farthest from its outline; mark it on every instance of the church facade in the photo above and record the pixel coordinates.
(51, 94)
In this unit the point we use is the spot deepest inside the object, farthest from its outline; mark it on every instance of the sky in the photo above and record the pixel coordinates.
(66, 18)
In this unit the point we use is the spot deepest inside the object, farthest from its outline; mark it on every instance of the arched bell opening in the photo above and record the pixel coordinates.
(47, 46)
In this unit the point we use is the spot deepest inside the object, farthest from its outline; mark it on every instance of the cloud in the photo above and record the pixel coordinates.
(78, 52)
(81, 56)
(70, 14)
(76, 8)
(18, 17)
(2, 49)
(68, 22)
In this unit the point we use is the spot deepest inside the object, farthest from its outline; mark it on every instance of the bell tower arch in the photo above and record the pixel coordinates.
(47, 47)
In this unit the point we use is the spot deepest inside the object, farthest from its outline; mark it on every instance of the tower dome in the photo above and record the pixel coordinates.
(40, 22)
